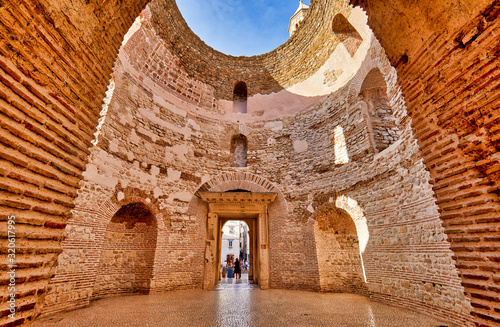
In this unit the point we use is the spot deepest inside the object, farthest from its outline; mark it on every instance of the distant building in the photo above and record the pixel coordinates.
(299, 15)
(244, 241)
(235, 242)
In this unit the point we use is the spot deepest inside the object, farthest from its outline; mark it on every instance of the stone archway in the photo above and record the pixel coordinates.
(82, 267)
(249, 207)
(273, 209)
(337, 250)
(127, 253)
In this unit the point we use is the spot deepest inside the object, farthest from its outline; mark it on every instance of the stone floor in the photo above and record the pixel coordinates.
(238, 303)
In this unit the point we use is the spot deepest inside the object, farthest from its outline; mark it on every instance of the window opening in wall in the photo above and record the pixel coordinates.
(378, 113)
(340, 148)
(240, 98)
(239, 150)
(347, 33)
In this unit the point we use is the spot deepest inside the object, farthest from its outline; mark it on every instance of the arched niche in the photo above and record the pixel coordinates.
(338, 251)
(378, 113)
(239, 149)
(128, 252)
(346, 33)
(240, 94)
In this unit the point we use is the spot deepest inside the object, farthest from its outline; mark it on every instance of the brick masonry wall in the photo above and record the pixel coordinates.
(55, 61)
(450, 79)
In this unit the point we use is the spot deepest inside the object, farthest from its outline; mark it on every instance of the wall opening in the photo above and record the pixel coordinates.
(240, 94)
(127, 257)
(235, 244)
(338, 252)
(239, 149)
(346, 33)
(379, 114)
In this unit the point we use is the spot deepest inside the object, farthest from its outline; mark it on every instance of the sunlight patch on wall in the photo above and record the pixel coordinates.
(352, 207)
(341, 156)
(134, 28)
(104, 111)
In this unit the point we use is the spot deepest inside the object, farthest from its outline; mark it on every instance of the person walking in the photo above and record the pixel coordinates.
(237, 268)
(224, 269)
(229, 270)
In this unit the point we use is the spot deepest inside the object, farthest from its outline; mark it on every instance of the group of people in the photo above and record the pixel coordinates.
(233, 268)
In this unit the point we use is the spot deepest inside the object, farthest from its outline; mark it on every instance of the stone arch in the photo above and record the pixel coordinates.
(346, 33)
(240, 181)
(340, 266)
(368, 65)
(240, 94)
(378, 112)
(356, 213)
(239, 149)
(126, 249)
(375, 97)
(267, 223)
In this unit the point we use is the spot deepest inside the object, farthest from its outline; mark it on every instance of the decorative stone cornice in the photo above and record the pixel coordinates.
(238, 198)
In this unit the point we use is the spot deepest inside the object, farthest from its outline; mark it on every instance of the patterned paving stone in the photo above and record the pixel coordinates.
(239, 303)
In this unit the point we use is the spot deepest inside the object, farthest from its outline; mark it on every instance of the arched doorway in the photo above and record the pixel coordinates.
(239, 149)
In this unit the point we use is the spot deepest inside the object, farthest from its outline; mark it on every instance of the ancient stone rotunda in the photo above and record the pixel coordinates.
(363, 154)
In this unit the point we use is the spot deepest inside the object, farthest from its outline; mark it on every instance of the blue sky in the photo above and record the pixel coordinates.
(240, 27)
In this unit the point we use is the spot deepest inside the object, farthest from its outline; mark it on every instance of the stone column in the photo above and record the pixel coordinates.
(263, 249)
(211, 271)
(219, 250)
(251, 240)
